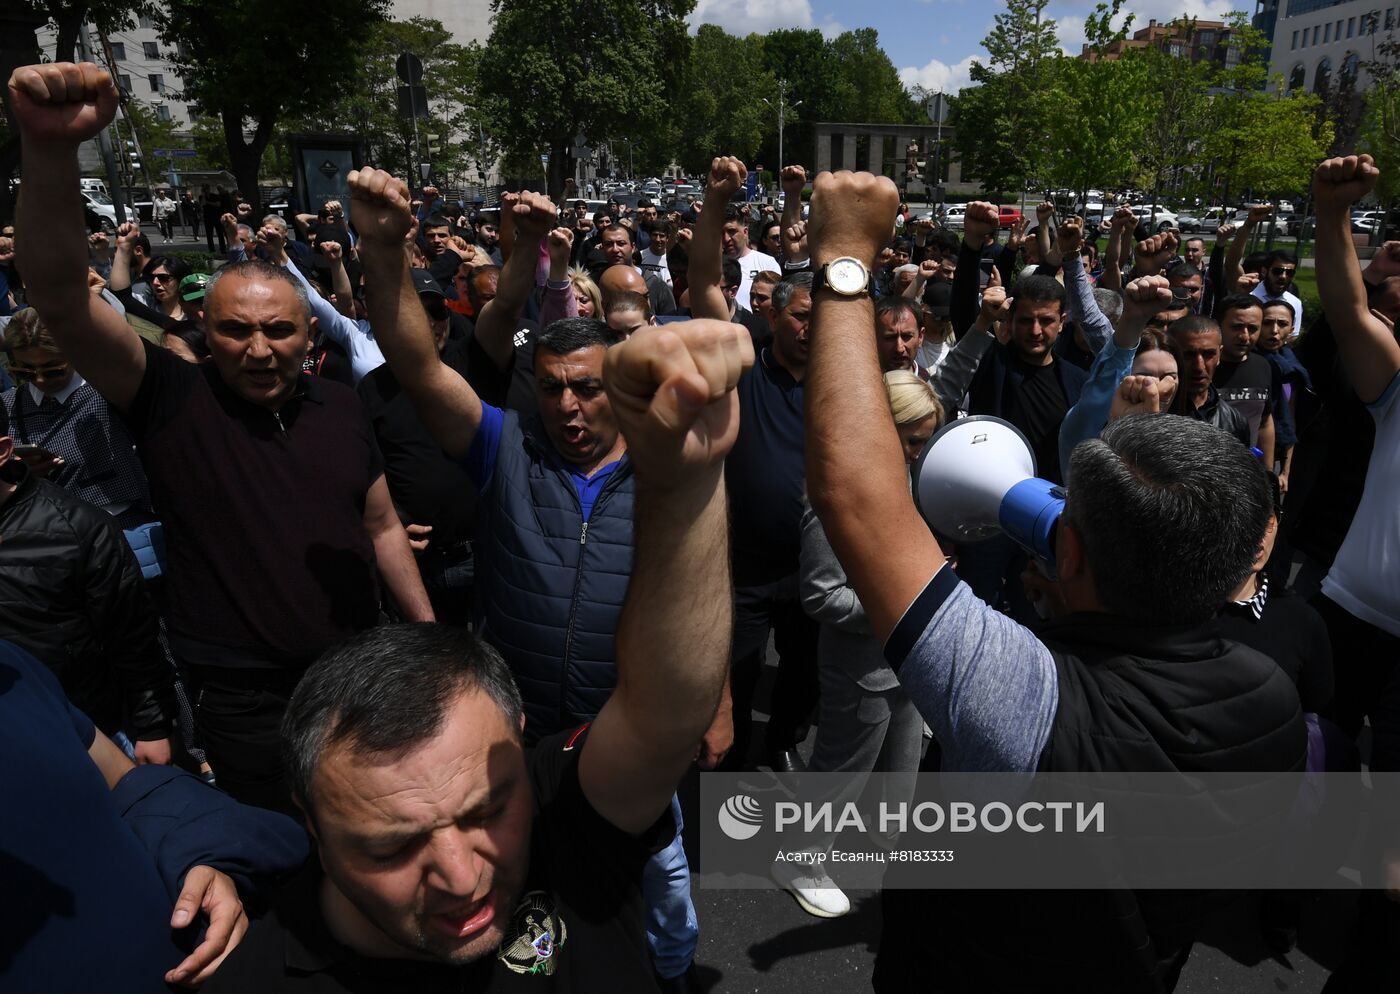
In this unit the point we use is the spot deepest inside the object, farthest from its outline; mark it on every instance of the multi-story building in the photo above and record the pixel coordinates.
(1320, 43)
(1197, 40)
(138, 58)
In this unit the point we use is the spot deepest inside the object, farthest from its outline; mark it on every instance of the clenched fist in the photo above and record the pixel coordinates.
(852, 214)
(727, 174)
(792, 179)
(1070, 236)
(382, 216)
(996, 306)
(980, 221)
(672, 390)
(1044, 212)
(1259, 212)
(1152, 253)
(1339, 183)
(560, 243)
(1135, 395)
(331, 250)
(62, 103)
(1144, 297)
(534, 214)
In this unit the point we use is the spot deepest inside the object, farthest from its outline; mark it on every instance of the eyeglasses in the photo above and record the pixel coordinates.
(163, 277)
(23, 372)
(1282, 271)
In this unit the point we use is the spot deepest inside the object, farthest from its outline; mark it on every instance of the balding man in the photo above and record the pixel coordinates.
(269, 482)
(617, 250)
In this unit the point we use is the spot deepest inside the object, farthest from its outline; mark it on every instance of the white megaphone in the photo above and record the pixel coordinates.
(976, 478)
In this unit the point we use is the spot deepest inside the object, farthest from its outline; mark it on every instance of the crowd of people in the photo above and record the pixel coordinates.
(367, 598)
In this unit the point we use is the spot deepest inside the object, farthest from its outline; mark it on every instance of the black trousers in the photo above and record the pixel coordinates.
(758, 610)
(213, 229)
(238, 722)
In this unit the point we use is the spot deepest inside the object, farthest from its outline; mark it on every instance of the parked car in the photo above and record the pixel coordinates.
(1264, 227)
(1206, 221)
(99, 211)
(1160, 218)
(953, 216)
(1007, 215)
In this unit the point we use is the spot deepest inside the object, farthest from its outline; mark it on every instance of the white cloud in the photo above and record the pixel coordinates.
(831, 27)
(1165, 11)
(939, 76)
(1071, 32)
(743, 17)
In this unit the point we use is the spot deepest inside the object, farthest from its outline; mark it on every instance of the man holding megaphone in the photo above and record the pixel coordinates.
(1131, 679)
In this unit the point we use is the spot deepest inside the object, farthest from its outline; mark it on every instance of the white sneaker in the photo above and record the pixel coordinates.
(813, 889)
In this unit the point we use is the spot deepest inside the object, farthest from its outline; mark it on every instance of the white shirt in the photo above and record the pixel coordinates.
(1365, 576)
(656, 265)
(1292, 300)
(755, 262)
(63, 395)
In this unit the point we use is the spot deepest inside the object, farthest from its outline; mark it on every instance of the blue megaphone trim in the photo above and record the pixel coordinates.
(1028, 514)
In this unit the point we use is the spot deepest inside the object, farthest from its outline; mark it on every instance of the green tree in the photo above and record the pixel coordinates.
(1091, 148)
(1000, 123)
(251, 65)
(1380, 126)
(1178, 120)
(718, 113)
(556, 68)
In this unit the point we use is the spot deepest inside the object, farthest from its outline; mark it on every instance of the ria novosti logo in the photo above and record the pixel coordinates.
(741, 817)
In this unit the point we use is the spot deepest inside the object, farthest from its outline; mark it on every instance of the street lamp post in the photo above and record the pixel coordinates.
(782, 114)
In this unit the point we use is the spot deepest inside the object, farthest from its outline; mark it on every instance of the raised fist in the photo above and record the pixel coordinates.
(62, 102)
(98, 242)
(1070, 236)
(560, 242)
(230, 224)
(382, 216)
(1135, 395)
(465, 251)
(331, 250)
(127, 234)
(334, 209)
(1259, 212)
(1224, 233)
(430, 193)
(1124, 217)
(7, 250)
(534, 214)
(995, 306)
(1247, 282)
(795, 232)
(980, 220)
(1339, 183)
(672, 390)
(852, 214)
(245, 210)
(1044, 212)
(1152, 253)
(1144, 297)
(274, 238)
(792, 179)
(928, 269)
(924, 225)
(727, 174)
(683, 236)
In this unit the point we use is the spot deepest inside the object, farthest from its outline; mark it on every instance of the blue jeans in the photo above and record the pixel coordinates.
(672, 929)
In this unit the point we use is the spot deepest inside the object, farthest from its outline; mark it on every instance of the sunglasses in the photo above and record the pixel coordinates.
(163, 277)
(1282, 271)
(23, 372)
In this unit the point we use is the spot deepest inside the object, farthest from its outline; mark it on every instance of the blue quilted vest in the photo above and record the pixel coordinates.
(550, 586)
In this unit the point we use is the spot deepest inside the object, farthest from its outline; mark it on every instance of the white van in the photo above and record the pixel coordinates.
(91, 184)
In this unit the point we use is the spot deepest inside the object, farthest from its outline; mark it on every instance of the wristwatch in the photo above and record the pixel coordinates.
(845, 277)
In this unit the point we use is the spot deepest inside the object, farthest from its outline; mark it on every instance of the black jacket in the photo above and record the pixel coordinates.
(71, 593)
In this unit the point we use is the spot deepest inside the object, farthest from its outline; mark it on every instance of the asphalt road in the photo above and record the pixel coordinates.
(760, 940)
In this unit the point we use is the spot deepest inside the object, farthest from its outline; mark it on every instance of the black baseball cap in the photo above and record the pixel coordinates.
(939, 298)
(424, 283)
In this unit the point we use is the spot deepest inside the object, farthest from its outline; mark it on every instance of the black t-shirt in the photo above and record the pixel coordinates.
(1038, 407)
(428, 488)
(1291, 633)
(269, 560)
(766, 474)
(583, 886)
(1247, 387)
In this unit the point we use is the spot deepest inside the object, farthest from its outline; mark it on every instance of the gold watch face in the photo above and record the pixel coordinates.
(846, 276)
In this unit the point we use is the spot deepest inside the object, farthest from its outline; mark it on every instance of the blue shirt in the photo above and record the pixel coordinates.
(83, 899)
(480, 460)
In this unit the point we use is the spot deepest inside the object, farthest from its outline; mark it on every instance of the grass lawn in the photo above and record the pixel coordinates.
(1305, 286)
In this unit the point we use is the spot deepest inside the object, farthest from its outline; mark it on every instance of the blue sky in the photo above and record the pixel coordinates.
(931, 42)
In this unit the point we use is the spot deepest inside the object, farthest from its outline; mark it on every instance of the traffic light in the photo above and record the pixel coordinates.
(932, 168)
(434, 144)
(132, 155)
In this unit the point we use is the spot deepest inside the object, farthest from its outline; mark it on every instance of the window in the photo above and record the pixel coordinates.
(1295, 39)
(162, 112)
(157, 82)
(1297, 77)
(1177, 49)
(124, 82)
(1390, 18)
(145, 22)
(1207, 38)
(150, 50)
(118, 51)
(1351, 64)
(1327, 32)
(1351, 26)
(1322, 82)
